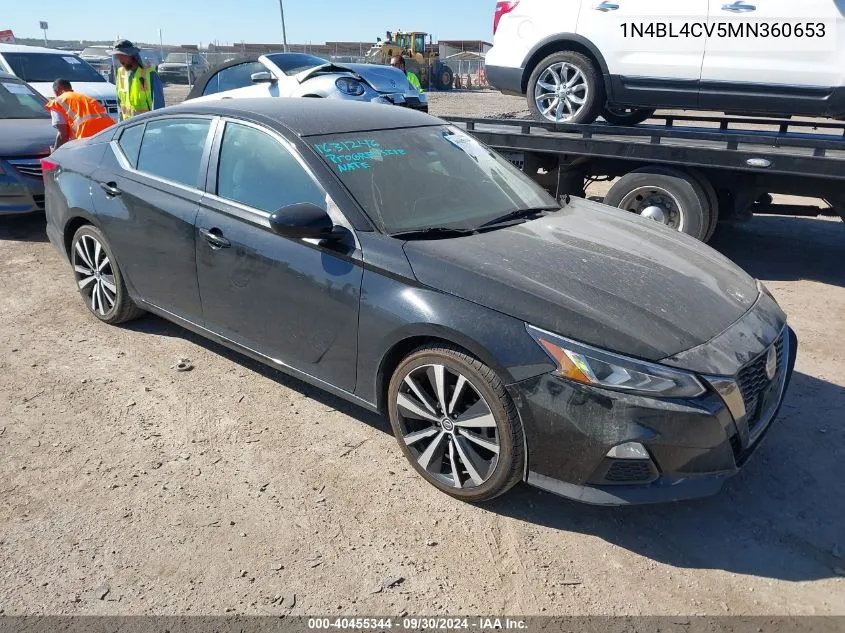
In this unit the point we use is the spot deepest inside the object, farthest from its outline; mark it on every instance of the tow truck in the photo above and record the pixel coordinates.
(689, 172)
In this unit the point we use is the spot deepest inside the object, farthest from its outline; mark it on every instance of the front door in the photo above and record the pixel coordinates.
(147, 198)
(292, 301)
(647, 64)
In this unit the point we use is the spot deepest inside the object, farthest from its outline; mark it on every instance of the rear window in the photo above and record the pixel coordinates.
(19, 101)
(47, 67)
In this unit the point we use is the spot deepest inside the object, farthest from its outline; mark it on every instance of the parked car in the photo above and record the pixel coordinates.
(300, 75)
(180, 67)
(100, 58)
(391, 259)
(580, 59)
(25, 138)
(40, 67)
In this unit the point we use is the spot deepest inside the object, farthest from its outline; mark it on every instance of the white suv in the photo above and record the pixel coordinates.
(579, 59)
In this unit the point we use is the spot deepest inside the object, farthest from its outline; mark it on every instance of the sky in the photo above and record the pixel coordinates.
(193, 22)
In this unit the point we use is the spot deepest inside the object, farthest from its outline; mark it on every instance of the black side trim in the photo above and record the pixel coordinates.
(723, 96)
(559, 42)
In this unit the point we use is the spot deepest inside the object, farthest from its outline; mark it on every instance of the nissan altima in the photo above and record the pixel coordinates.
(391, 259)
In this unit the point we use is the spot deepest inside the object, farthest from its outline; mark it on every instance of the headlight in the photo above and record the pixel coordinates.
(592, 366)
(349, 86)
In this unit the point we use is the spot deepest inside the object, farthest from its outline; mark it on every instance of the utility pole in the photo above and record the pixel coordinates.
(161, 44)
(284, 29)
(44, 29)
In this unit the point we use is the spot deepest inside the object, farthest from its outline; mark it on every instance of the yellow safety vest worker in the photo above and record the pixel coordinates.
(83, 115)
(137, 97)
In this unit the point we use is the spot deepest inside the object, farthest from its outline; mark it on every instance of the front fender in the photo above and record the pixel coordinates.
(397, 314)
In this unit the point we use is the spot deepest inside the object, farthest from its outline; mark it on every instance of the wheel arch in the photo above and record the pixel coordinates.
(558, 44)
(70, 229)
(404, 343)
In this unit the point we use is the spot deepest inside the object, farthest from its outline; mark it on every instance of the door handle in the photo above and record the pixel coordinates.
(739, 7)
(215, 238)
(604, 7)
(110, 188)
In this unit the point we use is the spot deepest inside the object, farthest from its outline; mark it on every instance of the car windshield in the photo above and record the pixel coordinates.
(93, 51)
(177, 58)
(47, 67)
(19, 101)
(439, 177)
(292, 63)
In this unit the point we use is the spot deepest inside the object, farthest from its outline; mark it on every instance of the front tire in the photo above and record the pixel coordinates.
(99, 279)
(565, 88)
(456, 424)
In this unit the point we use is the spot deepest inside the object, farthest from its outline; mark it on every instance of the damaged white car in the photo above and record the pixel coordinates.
(301, 75)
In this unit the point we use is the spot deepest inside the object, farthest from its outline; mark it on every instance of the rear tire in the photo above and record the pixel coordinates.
(672, 196)
(572, 70)
(626, 116)
(445, 78)
(456, 423)
(712, 197)
(98, 278)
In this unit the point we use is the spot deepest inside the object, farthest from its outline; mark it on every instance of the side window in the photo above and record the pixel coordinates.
(172, 149)
(130, 143)
(255, 170)
(239, 76)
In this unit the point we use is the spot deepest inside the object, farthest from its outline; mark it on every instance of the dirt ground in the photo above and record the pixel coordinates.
(127, 487)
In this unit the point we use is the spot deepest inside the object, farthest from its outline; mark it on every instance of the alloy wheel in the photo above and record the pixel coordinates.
(561, 92)
(94, 275)
(448, 426)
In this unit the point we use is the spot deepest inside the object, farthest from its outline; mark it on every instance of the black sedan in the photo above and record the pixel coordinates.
(391, 259)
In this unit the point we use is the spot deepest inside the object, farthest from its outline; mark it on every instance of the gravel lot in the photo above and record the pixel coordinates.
(127, 487)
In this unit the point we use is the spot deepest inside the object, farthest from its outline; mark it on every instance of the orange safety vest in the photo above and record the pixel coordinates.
(83, 115)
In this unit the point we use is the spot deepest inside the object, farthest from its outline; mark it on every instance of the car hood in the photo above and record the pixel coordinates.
(25, 137)
(382, 78)
(597, 275)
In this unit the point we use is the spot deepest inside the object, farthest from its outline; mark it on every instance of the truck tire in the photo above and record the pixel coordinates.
(712, 196)
(584, 82)
(670, 196)
(625, 116)
(445, 78)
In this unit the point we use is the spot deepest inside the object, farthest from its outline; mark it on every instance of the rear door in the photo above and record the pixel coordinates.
(293, 301)
(647, 65)
(147, 197)
(774, 49)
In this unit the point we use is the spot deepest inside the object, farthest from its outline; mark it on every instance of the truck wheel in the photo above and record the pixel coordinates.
(565, 88)
(669, 196)
(625, 116)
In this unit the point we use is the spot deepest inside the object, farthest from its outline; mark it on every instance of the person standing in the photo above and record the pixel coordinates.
(399, 62)
(75, 115)
(139, 89)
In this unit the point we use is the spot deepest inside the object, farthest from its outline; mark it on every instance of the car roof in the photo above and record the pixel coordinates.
(20, 48)
(313, 117)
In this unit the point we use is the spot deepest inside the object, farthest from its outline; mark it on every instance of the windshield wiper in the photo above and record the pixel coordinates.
(433, 232)
(517, 214)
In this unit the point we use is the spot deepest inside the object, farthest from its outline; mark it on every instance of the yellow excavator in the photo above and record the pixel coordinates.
(420, 59)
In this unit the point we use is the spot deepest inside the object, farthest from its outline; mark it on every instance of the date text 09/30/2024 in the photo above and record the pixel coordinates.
(414, 624)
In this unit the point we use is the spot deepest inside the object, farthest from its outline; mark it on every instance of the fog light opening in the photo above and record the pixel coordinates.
(629, 450)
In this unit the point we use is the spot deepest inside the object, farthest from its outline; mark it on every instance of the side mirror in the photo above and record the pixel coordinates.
(304, 221)
(263, 77)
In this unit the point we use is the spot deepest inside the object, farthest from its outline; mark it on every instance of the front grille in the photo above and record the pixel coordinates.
(39, 201)
(754, 384)
(624, 471)
(110, 105)
(28, 167)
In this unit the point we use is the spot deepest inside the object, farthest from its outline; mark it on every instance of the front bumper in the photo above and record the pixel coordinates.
(415, 101)
(694, 445)
(21, 186)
